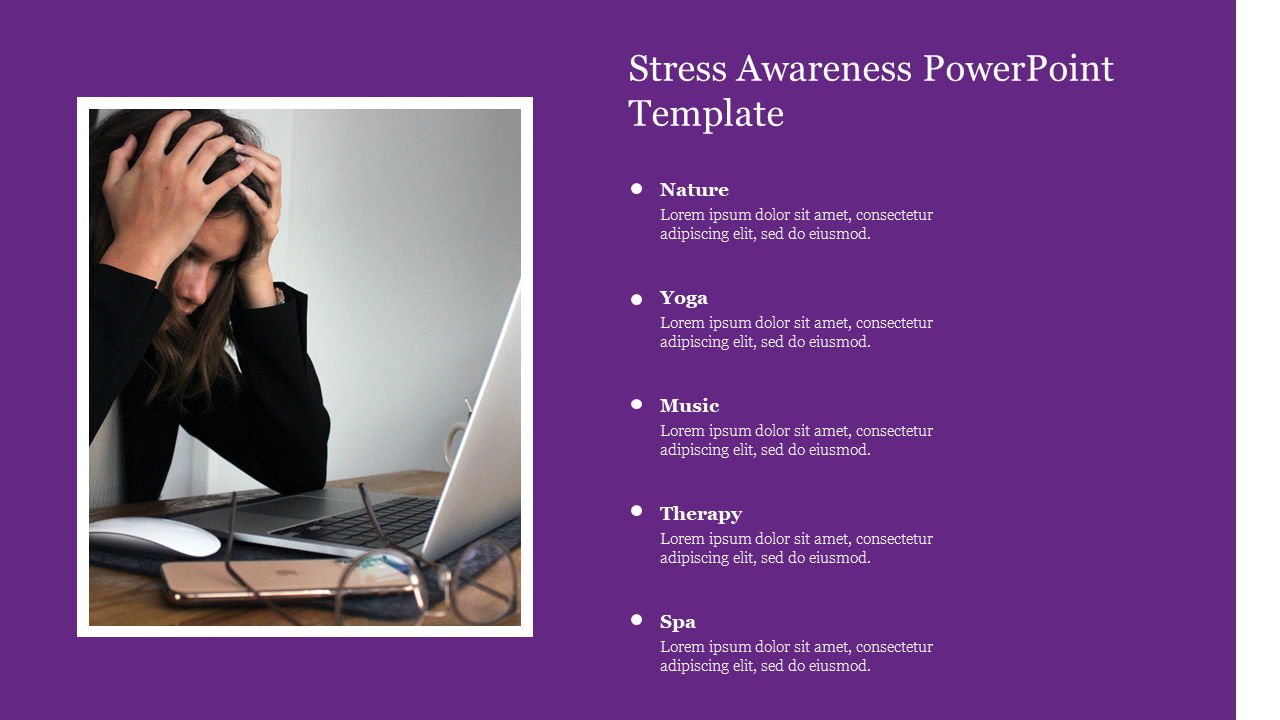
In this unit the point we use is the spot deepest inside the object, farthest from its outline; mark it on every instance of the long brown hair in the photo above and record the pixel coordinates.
(189, 352)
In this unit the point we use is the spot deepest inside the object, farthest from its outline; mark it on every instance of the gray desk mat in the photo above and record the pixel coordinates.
(508, 534)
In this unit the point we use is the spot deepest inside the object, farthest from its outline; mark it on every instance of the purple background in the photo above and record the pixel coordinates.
(1079, 271)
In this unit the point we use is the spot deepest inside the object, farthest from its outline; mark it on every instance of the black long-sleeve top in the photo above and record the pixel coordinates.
(275, 428)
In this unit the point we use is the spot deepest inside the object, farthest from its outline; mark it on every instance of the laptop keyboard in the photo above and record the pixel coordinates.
(401, 519)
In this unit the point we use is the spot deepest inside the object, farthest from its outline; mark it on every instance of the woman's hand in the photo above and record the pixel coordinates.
(159, 204)
(257, 288)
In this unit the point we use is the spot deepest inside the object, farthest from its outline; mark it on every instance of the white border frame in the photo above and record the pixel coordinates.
(525, 106)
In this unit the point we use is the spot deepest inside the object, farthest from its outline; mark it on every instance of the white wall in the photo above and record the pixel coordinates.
(403, 228)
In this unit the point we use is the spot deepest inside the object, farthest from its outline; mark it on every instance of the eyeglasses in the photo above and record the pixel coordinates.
(395, 585)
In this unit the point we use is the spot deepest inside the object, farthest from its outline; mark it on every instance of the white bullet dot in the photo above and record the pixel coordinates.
(636, 619)
(636, 404)
(636, 299)
(635, 188)
(636, 510)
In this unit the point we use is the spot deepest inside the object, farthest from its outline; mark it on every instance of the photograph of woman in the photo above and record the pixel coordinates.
(183, 210)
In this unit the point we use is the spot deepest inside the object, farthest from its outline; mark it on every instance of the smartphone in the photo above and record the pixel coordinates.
(203, 583)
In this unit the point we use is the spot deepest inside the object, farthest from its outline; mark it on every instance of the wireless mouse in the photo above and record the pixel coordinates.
(152, 536)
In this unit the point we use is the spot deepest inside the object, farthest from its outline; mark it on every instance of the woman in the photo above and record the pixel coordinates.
(183, 209)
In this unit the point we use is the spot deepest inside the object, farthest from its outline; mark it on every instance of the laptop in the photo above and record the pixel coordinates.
(482, 492)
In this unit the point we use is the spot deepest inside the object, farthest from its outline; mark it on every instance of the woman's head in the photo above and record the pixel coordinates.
(201, 284)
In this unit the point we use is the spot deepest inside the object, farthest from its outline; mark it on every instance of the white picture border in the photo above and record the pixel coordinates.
(525, 106)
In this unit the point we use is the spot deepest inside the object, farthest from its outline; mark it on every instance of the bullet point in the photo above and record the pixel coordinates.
(636, 619)
(635, 188)
(636, 510)
(636, 404)
(636, 299)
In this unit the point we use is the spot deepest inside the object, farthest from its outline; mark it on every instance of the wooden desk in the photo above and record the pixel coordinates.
(120, 598)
